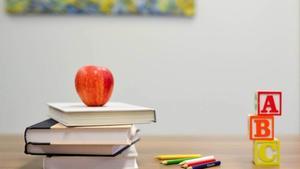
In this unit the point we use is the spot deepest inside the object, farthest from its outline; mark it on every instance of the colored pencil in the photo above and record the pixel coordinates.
(198, 163)
(174, 161)
(177, 156)
(197, 160)
(207, 165)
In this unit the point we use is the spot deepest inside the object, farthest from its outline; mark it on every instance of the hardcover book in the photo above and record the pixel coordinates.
(125, 160)
(52, 138)
(112, 113)
(76, 150)
(53, 132)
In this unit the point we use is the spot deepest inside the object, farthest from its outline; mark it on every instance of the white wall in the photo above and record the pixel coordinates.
(199, 73)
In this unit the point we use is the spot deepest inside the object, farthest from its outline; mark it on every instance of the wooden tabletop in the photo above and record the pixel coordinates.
(234, 152)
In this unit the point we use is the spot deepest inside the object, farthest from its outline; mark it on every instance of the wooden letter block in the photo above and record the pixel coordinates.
(261, 127)
(269, 103)
(255, 103)
(266, 153)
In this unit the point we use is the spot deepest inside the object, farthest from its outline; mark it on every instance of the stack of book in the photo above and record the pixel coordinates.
(81, 137)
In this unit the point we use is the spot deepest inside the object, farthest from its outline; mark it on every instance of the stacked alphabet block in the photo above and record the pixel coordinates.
(266, 148)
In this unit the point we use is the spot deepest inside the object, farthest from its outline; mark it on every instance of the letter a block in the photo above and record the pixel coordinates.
(266, 153)
(261, 127)
(269, 103)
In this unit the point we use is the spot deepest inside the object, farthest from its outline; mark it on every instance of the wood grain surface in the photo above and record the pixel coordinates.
(234, 152)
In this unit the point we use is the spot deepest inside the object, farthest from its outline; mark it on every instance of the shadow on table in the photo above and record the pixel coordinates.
(33, 164)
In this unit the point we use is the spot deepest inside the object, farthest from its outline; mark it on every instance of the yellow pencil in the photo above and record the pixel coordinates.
(176, 156)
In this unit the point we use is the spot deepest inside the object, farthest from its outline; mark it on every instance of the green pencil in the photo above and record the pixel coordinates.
(175, 161)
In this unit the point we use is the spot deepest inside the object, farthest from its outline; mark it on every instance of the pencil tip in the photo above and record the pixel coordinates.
(163, 162)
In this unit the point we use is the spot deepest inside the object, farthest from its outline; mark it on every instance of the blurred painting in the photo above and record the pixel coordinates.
(103, 7)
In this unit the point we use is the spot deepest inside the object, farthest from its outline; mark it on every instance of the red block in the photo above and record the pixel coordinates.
(269, 103)
(261, 127)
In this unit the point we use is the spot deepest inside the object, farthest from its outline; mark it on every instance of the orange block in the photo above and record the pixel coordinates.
(261, 127)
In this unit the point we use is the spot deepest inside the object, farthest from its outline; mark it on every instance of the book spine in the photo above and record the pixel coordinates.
(154, 116)
(25, 140)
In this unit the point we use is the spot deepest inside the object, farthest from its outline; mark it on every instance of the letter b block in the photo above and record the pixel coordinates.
(266, 153)
(261, 127)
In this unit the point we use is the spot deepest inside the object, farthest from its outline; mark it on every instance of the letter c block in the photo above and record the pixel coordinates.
(266, 153)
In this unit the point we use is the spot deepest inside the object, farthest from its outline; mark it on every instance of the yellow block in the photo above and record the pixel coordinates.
(266, 152)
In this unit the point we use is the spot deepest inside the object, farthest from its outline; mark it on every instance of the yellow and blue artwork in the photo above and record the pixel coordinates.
(102, 7)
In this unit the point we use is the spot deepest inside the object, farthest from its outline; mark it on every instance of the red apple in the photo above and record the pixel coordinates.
(94, 85)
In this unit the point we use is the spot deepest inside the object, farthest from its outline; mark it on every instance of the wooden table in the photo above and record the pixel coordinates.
(234, 152)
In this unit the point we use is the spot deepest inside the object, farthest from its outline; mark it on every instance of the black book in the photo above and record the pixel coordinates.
(52, 138)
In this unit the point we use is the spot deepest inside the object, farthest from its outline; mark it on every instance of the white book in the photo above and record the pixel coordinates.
(54, 133)
(125, 160)
(77, 150)
(112, 113)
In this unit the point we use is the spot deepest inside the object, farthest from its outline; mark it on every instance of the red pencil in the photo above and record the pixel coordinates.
(198, 163)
